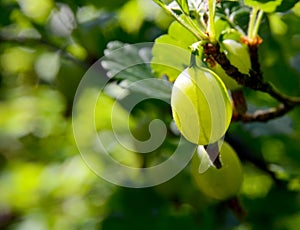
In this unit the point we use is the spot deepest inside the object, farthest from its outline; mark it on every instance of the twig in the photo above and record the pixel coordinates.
(263, 115)
(239, 102)
(253, 80)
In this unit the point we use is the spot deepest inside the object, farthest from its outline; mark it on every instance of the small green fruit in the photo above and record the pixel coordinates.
(220, 183)
(201, 105)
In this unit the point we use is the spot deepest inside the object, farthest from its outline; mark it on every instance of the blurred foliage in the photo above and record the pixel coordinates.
(45, 49)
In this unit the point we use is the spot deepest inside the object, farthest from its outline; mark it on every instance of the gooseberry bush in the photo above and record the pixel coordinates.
(207, 93)
(216, 79)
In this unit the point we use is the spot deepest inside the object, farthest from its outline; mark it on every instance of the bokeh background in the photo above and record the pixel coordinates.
(45, 49)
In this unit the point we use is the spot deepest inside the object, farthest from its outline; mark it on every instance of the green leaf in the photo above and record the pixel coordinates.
(124, 61)
(264, 5)
(130, 63)
(131, 16)
(286, 5)
(192, 5)
(160, 88)
(184, 6)
(171, 54)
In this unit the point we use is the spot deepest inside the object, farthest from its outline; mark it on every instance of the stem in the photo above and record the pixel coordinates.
(239, 102)
(196, 28)
(211, 20)
(252, 23)
(199, 36)
(257, 23)
(193, 60)
(253, 80)
(263, 115)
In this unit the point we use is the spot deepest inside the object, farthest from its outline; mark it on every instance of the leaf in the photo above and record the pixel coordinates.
(130, 63)
(286, 5)
(62, 21)
(264, 5)
(131, 17)
(193, 5)
(171, 54)
(184, 6)
(153, 88)
(124, 61)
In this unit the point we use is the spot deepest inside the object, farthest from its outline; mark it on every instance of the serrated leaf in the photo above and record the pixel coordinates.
(124, 61)
(130, 64)
(265, 5)
(153, 88)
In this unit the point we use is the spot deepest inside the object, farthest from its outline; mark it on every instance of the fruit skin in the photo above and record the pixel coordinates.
(238, 56)
(201, 105)
(222, 183)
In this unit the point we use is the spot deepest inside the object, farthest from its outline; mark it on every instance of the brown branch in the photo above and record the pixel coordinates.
(253, 80)
(239, 102)
(263, 115)
(253, 52)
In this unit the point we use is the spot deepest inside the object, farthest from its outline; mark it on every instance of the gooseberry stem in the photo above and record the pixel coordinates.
(254, 23)
(200, 35)
(257, 23)
(211, 20)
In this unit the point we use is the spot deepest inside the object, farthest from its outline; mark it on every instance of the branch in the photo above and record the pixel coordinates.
(263, 115)
(253, 80)
(253, 51)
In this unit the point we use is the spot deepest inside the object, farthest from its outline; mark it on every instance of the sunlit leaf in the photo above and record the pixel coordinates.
(131, 16)
(17, 60)
(171, 53)
(265, 5)
(62, 21)
(184, 6)
(123, 61)
(37, 10)
(47, 66)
